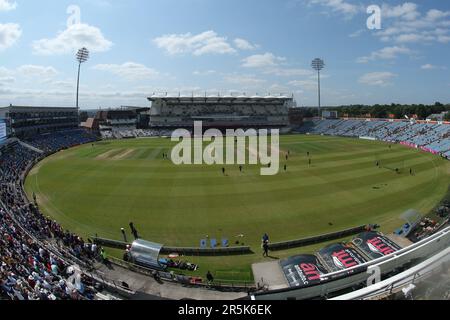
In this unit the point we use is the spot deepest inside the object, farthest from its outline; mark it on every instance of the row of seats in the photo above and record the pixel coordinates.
(127, 133)
(50, 143)
(431, 136)
(237, 110)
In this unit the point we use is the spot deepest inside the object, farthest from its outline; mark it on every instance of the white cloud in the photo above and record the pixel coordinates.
(33, 71)
(294, 72)
(429, 66)
(262, 61)
(71, 39)
(405, 24)
(443, 39)
(356, 33)
(413, 37)
(433, 14)
(40, 74)
(4, 72)
(387, 53)
(9, 34)
(204, 73)
(339, 6)
(304, 84)
(278, 88)
(377, 78)
(406, 11)
(244, 80)
(7, 5)
(6, 80)
(128, 70)
(66, 84)
(207, 42)
(244, 44)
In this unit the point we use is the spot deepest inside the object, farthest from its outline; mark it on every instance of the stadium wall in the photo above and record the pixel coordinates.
(317, 239)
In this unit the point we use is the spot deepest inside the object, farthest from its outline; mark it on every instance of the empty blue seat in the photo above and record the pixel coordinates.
(225, 243)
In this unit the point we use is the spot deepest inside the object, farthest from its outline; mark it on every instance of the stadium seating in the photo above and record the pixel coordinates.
(56, 141)
(129, 133)
(430, 137)
(36, 254)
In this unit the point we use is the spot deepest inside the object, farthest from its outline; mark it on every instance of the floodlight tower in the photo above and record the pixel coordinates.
(318, 65)
(82, 56)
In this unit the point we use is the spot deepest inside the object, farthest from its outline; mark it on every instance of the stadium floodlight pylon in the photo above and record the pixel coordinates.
(318, 64)
(82, 56)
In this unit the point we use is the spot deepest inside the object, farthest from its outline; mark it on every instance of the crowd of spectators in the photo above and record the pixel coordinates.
(53, 142)
(37, 256)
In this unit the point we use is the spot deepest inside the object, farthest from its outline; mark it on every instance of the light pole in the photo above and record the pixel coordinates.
(318, 65)
(82, 56)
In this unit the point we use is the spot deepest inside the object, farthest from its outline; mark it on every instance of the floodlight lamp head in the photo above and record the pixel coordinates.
(318, 64)
(82, 55)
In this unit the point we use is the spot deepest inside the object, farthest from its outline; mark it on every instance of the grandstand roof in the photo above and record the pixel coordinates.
(241, 98)
(37, 108)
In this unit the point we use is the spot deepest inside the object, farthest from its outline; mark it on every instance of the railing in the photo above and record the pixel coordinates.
(392, 285)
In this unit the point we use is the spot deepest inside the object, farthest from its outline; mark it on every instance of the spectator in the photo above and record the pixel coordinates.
(209, 277)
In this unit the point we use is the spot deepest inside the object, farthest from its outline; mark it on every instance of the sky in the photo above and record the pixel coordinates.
(141, 47)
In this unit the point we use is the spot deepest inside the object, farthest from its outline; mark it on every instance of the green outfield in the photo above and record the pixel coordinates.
(100, 189)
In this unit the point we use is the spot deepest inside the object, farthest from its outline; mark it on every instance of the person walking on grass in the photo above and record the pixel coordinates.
(266, 249)
(134, 231)
(209, 278)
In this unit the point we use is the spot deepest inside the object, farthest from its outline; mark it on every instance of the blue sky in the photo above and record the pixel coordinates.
(254, 46)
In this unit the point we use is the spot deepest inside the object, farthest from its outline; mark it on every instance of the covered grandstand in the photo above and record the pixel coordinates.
(175, 111)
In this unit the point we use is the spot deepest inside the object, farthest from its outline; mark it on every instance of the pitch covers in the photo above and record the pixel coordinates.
(340, 257)
(302, 270)
(375, 245)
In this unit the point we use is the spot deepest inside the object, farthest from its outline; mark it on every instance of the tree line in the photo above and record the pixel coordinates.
(383, 111)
